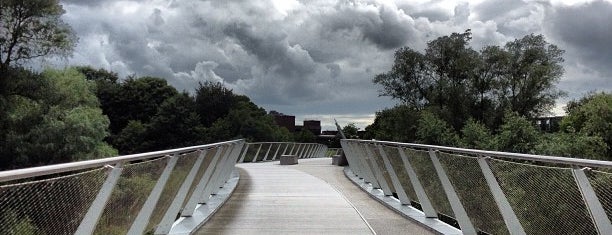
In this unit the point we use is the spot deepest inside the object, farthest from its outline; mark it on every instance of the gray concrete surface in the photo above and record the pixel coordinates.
(313, 197)
(381, 219)
(274, 199)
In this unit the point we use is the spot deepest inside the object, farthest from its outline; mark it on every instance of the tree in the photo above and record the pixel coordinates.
(433, 130)
(213, 101)
(517, 134)
(31, 29)
(138, 100)
(61, 123)
(591, 116)
(457, 83)
(351, 131)
(533, 70)
(476, 135)
(396, 124)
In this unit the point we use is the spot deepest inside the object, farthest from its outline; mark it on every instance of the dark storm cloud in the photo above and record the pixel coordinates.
(493, 9)
(381, 25)
(586, 30)
(319, 56)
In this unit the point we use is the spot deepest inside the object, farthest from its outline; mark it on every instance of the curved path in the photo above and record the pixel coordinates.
(312, 197)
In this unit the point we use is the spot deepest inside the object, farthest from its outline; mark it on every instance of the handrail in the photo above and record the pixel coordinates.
(516, 156)
(74, 166)
(484, 190)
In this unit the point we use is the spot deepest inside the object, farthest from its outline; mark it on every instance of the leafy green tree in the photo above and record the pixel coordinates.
(396, 124)
(433, 130)
(351, 131)
(457, 83)
(533, 70)
(61, 124)
(138, 99)
(213, 101)
(516, 134)
(576, 145)
(476, 135)
(591, 116)
(32, 29)
(305, 136)
(176, 124)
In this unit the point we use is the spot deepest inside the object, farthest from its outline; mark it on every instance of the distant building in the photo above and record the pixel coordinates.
(288, 121)
(313, 126)
(548, 124)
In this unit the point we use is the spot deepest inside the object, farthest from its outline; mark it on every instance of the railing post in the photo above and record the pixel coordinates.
(291, 151)
(512, 222)
(276, 152)
(351, 158)
(378, 171)
(426, 205)
(267, 152)
(596, 210)
(285, 150)
(175, 207)
(90, 221)
(257, 154)
(369, 176)
(246, 148)
(216, 179)
(199, 190)
(453, 198)
(141, 221)
(399, 189)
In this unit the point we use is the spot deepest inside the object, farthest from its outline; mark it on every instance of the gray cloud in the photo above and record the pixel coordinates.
(319, 57)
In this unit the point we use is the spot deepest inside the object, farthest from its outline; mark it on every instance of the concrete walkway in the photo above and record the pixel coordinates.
(312, 197)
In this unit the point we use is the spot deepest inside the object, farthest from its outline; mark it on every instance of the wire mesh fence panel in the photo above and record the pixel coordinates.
(400, 171)
(49, 206)
(546, 200)
(424, 168)
(381, 165)
(470, 185)
(178, 175)
(131, 191)
(602, 185)
(205, 163)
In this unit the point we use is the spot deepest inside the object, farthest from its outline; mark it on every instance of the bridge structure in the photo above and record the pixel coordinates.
(236, 187)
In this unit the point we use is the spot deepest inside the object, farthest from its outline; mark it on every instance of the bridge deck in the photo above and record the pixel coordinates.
(313, 197)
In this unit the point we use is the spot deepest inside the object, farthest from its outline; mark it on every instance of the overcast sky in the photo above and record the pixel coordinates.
(315, 59)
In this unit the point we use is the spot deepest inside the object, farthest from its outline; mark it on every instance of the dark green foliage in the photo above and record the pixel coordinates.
(213, 101)
(458, 83)
(395, 124)
(351, 131)
(517, 134)
(433, 130)
(51, 117)
(32, 29)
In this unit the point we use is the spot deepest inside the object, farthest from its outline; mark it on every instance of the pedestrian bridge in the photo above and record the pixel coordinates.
(239, 188)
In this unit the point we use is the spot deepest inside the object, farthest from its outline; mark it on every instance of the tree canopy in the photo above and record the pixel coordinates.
(457, 82)
(31, 29)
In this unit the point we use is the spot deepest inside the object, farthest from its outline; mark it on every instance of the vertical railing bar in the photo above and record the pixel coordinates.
(175, 207)
(142, 219)
(214, 183)
(276, 152)
(512, 222)
(460, 213)
(257, 153)
(596, 210)
(426, 205)
(199, 190)
(285, 150)
(368, 167)
(292, 147)
(399, 189)
(90, 221)
(378, 171)
(229, 164)
(267, 153)
(355, 168)
(246, 148)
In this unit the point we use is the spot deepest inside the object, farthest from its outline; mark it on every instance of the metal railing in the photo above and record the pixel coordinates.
(132, 194)
(488, 191)
(270, 151)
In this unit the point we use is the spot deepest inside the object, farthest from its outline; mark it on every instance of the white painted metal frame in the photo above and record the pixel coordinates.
(359, 154)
